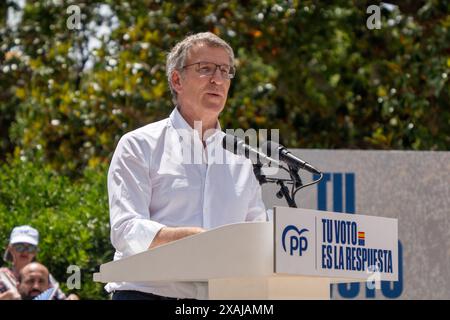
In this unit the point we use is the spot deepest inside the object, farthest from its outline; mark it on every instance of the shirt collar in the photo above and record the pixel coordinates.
(179, 123)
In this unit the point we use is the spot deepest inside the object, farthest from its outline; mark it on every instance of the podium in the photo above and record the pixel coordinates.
(236, 261)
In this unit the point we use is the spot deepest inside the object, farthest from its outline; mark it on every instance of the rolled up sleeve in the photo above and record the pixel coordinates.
(130, 192)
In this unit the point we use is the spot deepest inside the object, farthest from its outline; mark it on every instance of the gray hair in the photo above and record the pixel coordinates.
(177, 56)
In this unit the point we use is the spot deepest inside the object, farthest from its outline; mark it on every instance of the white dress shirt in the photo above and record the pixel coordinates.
(161, 175)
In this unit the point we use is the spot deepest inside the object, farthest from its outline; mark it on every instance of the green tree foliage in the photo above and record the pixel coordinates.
(71, 218)
(313, 70)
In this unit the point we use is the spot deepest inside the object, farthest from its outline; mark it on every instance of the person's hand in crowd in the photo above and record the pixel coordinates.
(10, 295)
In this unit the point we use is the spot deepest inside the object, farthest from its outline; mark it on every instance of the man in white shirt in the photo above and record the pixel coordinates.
(172, 178)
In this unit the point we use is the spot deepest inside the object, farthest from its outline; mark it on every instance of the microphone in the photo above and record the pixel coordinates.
(239, 147)
(286, 156)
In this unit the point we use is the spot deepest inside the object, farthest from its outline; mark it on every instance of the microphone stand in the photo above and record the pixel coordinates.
(258, 174)
(284, 190)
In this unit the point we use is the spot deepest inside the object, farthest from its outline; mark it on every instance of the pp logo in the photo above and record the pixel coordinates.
(297, 242)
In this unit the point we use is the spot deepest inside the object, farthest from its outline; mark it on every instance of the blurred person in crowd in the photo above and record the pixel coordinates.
(21, 251)
(34, 279)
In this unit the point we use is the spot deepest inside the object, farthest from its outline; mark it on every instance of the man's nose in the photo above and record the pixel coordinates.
(217, 76)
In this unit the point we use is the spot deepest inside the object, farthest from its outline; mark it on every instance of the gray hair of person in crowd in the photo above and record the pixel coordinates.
(177, 56)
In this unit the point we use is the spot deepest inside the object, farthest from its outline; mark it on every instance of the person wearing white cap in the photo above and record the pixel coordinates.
(21, 250)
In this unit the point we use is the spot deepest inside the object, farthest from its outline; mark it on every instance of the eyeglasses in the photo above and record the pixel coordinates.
(209, 69)
(22, 247)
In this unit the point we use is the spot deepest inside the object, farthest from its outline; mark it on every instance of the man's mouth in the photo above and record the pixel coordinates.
(35, 293)
(214, 94)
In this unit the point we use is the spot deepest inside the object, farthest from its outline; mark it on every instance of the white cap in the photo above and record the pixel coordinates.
(24, 234)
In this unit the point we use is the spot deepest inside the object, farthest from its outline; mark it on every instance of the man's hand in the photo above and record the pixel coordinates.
(10, 295)
(167, 234)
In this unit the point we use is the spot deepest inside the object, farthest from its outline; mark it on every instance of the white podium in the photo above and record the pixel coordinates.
(236, 261)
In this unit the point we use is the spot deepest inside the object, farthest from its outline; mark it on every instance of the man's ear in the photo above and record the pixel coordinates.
(176, 81)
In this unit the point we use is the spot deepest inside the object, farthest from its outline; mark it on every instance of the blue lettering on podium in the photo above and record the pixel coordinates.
(389, 289)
